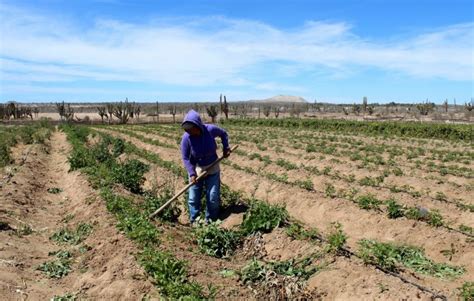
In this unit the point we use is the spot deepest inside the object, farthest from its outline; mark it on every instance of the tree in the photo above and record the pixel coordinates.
(110, 111)
(425, 107)
(65, 111)
(102, 113)
(469, 106)
(172, 109)
(276, 111)
(356, 109)
(123, 111)
(266, 110)
(212, 112)
(224, 107)
(364, 104)
(445, 105)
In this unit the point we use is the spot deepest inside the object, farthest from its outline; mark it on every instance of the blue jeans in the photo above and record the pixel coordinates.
(212, 184)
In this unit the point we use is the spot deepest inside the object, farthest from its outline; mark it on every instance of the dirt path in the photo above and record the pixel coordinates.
(103, 265)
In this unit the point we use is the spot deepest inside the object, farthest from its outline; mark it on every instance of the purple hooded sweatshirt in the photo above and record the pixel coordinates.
(201, 150)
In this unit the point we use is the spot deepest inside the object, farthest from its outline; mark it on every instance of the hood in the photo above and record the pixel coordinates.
(193, 117)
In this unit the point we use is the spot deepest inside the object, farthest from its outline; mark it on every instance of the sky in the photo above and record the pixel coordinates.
(327, 51)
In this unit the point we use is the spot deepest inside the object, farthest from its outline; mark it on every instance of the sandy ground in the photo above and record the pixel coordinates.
(318, 211)
(108, 271)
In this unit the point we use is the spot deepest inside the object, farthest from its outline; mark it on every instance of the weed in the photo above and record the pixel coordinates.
(130, 174)
(152, 203)
(170, 275)
(336, 238)
(368, 202)
(395, 210)
(253, 272)
(305, 184)
(55, 190)
(330, 191)
(391, 257)
(56, 268)
(66, 297)
(466, 229)
(263, 217)
(24, 230)
(296, 231)
(66, 235)
(467, 291)
(215, 241)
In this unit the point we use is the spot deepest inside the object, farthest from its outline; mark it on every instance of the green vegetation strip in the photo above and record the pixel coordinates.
(463, 132)
(99, 162)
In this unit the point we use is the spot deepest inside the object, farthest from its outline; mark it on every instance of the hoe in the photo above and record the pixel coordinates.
(201, 176)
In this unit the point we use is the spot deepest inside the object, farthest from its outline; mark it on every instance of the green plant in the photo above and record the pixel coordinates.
(305, 184)
(392, 257)
(74, 237)
(54, 190)
(130, 174)
(215, 241)
(435, 219)
(263, 217)
(368, 202)
(80, 158)
(152, 203)
(395, 210)
(330, 191)
(296, 231)
(170, 275)
(336, 238)
(56, 268)
(466, 229)
(66, 297)
(253, 272)
(24, 230)
(467, 291)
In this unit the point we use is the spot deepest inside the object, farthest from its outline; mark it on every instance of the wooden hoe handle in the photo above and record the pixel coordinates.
(185, 188)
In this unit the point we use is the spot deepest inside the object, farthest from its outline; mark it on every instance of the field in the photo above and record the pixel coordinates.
(311, 209)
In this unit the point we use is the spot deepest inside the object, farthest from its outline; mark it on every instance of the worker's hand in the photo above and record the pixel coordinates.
(193, 179)
(226, 153)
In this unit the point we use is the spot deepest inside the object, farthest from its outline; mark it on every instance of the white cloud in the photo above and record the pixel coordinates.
(204, 51)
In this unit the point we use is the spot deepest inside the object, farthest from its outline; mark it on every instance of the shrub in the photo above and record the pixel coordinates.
(263, 217)
(152, 203)
(74, 237)
(80, 158)
(395, 210)
(170, 275)
(336, 238)
(391, 257)
(215, 241)
(368, 202)
(130, 174)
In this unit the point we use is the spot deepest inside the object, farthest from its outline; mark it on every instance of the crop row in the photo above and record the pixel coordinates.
(148, 155)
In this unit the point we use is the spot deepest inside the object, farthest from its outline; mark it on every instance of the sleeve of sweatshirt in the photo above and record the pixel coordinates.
(219, 132)
(185, 155)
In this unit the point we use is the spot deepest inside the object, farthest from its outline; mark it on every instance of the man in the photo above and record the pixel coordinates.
(198, 151)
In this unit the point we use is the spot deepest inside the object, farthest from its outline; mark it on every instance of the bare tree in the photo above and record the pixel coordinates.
(425, 107)
(123, 111)
(276, 111)
(356, 109)
(102, 113)
(66, 112)
(266, 110)
(36, 112)
(224, 107)
(445, 105)
(469, 106)
(212, 112)
(172, 109)
(110, 110)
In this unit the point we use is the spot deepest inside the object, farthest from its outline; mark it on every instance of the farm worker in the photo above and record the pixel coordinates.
(198, 151)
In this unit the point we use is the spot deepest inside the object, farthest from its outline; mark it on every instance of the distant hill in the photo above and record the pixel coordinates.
(281, 98)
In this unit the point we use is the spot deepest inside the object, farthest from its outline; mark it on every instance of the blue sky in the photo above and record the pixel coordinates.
(334, 51)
